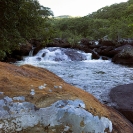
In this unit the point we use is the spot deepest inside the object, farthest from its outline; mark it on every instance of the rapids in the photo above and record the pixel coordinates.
(97, 77)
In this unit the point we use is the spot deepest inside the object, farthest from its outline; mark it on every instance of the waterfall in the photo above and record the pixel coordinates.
(31, 52)
(75, 67)
(58, 54)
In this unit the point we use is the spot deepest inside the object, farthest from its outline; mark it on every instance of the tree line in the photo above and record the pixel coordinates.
(114, 22)
(22, 20)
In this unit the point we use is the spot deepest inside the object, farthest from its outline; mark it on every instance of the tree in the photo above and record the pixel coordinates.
(20, 20)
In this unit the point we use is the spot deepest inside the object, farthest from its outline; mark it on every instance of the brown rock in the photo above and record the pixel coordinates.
(58, 42)
(107, 43)
(18, 81)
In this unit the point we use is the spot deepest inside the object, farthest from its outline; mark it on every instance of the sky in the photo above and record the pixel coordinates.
(76, 7)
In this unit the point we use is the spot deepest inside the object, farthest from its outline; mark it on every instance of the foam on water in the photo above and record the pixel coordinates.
(59, 54)
(94, 76)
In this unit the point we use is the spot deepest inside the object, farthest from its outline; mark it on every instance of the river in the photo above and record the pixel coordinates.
(76, 68)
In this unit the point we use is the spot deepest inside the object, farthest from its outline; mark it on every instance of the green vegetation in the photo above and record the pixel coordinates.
(22, 20)
(115, 22)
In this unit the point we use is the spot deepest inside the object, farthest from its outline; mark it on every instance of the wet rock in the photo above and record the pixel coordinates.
(58, 42)
(18, 54)
(74, 55)
(107, 43)
(106, 51)
(104, 58)
(37, 44)
(125, 56)
(24, 50)
(95, 55)
(122, 96)
(85, 42)
(63, 54)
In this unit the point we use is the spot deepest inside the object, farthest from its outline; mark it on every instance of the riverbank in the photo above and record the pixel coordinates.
(119, 52)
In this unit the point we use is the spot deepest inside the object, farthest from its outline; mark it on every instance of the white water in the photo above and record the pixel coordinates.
(75, 67)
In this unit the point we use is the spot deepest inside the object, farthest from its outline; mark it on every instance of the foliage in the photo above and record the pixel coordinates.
(21, 20)
(115, 21)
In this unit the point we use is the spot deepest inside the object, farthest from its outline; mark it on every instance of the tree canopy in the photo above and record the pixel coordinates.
(21, 20)
(115, 21)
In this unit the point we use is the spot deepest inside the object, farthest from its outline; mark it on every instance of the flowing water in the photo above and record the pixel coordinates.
(75, 67)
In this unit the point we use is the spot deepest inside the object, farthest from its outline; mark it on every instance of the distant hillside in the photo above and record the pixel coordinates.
(114, 22)
(115, 11)
(63, 16)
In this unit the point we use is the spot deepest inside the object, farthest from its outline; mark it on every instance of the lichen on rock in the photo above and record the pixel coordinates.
(16, 116)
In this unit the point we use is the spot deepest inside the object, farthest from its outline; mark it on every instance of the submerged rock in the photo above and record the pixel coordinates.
(62, 109)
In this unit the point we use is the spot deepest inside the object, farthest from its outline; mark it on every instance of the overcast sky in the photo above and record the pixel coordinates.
(76, 7)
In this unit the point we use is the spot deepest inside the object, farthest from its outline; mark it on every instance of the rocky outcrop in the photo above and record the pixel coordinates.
(35, 100)
(107, 43)
(122, 96)
(85, 45)
(58, 42)
(18, 54)
(125, 56)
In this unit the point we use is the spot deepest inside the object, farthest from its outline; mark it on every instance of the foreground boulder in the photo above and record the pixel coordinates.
(122, 96)
(35, 100)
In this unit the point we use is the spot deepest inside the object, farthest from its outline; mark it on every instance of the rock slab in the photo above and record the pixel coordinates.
(44, 90)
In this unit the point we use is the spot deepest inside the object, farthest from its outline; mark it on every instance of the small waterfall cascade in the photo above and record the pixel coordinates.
(58, 54)
(31, 52)
(77, 68)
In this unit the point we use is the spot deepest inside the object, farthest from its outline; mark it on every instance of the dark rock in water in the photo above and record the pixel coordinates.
(104, 58)
(37, 49)
(125, 56)
(37, 45)
(43, 55)
(106, 51)
(107, 43)
(85, 41)
(63, 54)
(74, 55)
(38, 58)
(95, 55)
(123, 97)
